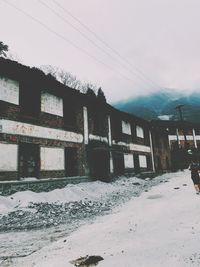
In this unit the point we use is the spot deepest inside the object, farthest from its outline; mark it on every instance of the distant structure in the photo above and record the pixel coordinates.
(48, 130)
(184, 141)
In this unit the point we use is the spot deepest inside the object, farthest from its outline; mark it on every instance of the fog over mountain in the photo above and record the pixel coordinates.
(162, 105)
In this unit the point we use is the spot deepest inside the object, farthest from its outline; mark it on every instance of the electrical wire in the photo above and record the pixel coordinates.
(105, 43)
(67, 40)
(90, 40)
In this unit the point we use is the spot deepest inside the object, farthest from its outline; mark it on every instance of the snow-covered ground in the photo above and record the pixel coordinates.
(161, 227)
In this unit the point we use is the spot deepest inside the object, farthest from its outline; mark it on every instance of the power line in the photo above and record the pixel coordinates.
(67, 40)
(91, 41)
(84, 35)
(105, 43)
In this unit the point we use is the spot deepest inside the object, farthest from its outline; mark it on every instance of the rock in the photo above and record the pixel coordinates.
(136, 183)
(87, 261)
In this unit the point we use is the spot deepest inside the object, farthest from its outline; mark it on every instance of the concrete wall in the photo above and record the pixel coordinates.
(9, 90)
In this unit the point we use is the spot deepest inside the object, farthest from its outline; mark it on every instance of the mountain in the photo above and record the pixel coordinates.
(162, 105)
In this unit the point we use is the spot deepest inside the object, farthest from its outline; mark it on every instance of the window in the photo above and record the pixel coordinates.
(9, 91)
(29, 100)
(126, 127)
(70, 113)
(128, 161)
(139, 132)
(51, 104)
(99, 122)
(143, 161)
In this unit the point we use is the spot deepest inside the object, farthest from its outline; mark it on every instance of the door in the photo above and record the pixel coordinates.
(71, 166)
(100, 164)
(136, 163)
(118, 163)
(28, 160)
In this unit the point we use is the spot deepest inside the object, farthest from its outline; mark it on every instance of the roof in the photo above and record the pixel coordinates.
(15, 70)
(175, 124)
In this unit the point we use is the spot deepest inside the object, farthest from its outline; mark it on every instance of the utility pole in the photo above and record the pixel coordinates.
(179, 108)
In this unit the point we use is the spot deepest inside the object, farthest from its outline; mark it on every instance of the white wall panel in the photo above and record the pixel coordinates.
(139, 132)
(143, 161)
(52, 158)
(9, 91)
(51, 104)
(126, 127)
(8, 157)
(85, 121)
(128, 161)
(25, 129)
(134, 147)
(98, 138)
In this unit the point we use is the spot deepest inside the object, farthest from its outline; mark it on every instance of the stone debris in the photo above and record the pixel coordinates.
(45, 214)
(87, 261)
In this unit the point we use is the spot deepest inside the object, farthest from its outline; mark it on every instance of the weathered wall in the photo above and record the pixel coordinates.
(19, 128)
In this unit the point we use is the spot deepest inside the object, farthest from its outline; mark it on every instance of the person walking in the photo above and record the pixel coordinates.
(195, 169)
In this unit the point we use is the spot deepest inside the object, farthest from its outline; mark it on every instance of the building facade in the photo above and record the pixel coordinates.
(48, 130)
(184, 141)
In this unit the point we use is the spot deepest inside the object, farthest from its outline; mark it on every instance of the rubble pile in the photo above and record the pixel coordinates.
(44, 214)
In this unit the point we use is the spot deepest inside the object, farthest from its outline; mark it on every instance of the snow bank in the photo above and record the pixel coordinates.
(159, 228)
(90, 191)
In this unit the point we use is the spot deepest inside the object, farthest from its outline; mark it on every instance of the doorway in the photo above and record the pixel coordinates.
(71, 168)
(29, 155)
(136, 163)
(118, 163)
(100, 164)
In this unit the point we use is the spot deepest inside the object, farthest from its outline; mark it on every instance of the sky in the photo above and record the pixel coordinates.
(129, 47)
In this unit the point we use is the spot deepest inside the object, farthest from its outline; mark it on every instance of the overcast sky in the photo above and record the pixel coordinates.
(140, 45)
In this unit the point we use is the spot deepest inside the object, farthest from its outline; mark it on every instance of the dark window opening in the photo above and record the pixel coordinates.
(29, 101)
(99, 123)
(116, 125)
(70, 114)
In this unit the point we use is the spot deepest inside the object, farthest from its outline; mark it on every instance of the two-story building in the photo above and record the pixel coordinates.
(48, 130)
